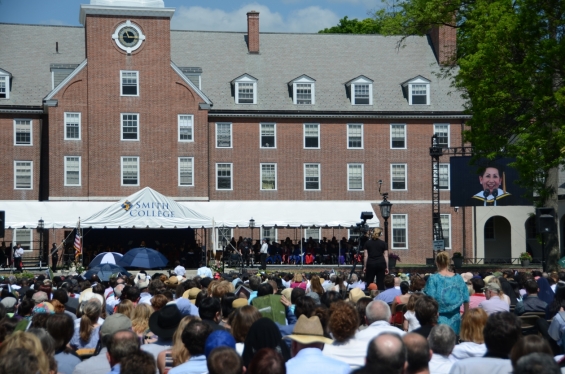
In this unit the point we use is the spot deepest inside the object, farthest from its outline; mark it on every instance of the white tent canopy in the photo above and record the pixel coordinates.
(147, 208)
(286, 213)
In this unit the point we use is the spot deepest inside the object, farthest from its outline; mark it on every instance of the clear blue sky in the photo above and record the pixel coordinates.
(220, 15)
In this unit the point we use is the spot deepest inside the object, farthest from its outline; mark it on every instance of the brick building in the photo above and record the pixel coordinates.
(90, 115)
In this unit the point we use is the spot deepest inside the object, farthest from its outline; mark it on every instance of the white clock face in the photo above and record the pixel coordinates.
(128, 37)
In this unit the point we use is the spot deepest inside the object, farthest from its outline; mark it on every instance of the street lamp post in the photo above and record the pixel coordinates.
(40, 227)
(385, 207)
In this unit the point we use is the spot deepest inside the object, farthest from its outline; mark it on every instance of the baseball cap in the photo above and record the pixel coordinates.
(115, 322)
(492, 287)
(217, 339)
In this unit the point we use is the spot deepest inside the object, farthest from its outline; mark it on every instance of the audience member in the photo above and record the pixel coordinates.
(472, 342)
(307, 343)
(418, 354)
(121, 345)
(377, 315)
(537, 363)
(493, 303)
(263, 333)
(390, 291)
(442, 340)
(225, 360)
(531, 302)
(139, 362)
(267, 361)
(386, 354)
(61, 328)
(426, 311)
(194, 338)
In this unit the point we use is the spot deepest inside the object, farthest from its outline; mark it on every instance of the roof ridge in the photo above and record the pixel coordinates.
(40, 25)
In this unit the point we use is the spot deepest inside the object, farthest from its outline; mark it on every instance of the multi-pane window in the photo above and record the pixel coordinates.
(23, 175)
(129, 83)
(397, 136)
(398, 172)
(224, 236)
(185, 127)
(268, 176)
(223, 176)
(186, 171)
(419, 93)
(4, 87)
(362, 94)
(72, 171)
(22, 132)
(130, 124)
(355, 177)
(269, 233)
(245, 92)
(268, 135)
(311, 176)
(130, 171)
(311, 135)
(24, 237)
(399, 231)
(223, 135)
(443, 176)
(354, 135)
(446, 228)
(72, 126)
(442, 135)
(313, 232)
(303, 93)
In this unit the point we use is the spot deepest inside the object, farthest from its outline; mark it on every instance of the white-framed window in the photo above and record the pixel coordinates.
(355, 177)
(355, 136)
(417, 90)
(361, 90)
(186, 127)
(245, 89)
(4, 86)
(72, 171)
(130, 126)
(313, 232)
(268, 177)
(224, 176)
(399, 223)
(72, 126)
(269, 233)
(223, 135)
(303, 90)
(224, 235)
(446, 228)
(268, 135)
(442, 132)
(129, 83)
(24, 237)
(443, 176)
(312, 135)
(312, 177)
(130, 171)
(397, 136)
(23, 132)
(186, 171)
(23, 175)
(398, 180)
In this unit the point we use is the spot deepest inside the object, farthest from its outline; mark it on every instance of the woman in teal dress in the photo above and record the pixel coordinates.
(450, 291)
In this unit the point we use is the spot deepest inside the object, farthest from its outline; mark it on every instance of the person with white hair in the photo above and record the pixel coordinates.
(377, 315)
(442, 340)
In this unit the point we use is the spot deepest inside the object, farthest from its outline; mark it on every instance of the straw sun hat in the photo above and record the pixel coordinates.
(308, 331)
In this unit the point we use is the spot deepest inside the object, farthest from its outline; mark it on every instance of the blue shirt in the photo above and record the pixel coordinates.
(388, 295)
(252, 295)
(313, 361)
(115, 369)
(195, 365)
(66, 362)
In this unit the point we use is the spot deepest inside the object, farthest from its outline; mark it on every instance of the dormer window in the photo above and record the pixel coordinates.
(303, 90)
(361, 90)
(245, 87)
(417, 91)
(4, 84)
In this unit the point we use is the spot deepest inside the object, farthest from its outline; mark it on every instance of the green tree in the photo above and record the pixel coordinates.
(509, 65)
(353, 26)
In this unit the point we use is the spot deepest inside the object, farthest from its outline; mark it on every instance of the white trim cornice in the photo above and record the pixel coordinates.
(124, 11)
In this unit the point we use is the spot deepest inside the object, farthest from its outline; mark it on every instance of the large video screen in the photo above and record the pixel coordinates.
(485, 183)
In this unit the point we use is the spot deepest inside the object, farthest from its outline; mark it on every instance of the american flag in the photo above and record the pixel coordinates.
(78, 242)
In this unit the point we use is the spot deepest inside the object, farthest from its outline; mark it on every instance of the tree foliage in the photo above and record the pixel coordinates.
(354, 26)
(510, 65)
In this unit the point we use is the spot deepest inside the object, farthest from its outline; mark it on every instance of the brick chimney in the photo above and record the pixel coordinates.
(444, 41)
(253, 31)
